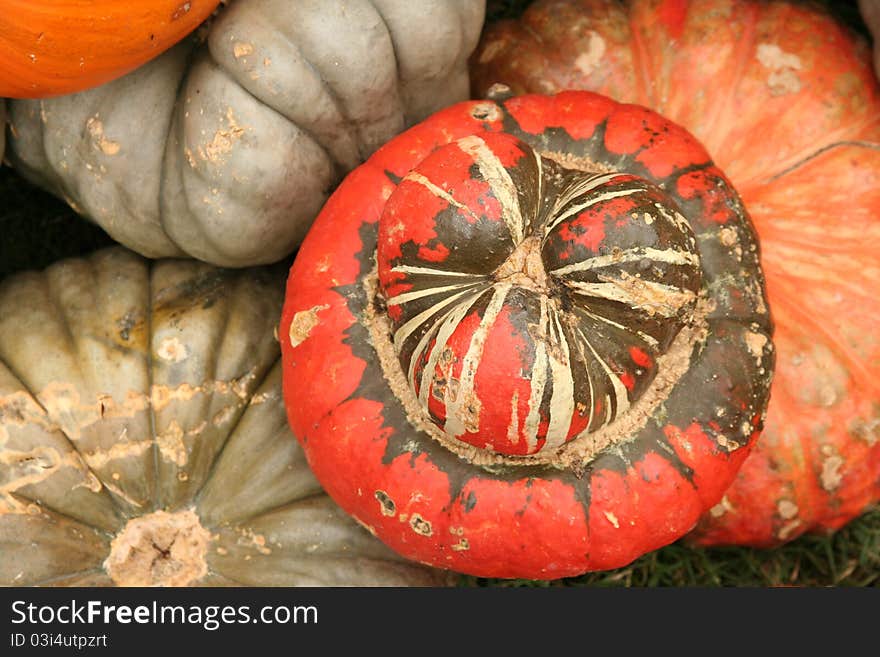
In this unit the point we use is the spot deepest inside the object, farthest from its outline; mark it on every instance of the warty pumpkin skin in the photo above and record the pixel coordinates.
(51, 47)
(786, 101)
(528, 337)
(143, 439)
(226, 151)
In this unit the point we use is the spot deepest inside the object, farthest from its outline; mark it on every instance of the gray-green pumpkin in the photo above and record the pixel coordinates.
(143, 439)
(225, 151)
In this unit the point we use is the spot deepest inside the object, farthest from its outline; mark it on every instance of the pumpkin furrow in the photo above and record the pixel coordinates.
(821, 151)
(835, 272)
(641, 59)
(855, 365)
(342, 148)
(812, 500)
(39, 545)
(54, 581)
(841, 246)
(149, 320)
(794, 162)
(231, 436)
(104, 422)
(719, 115)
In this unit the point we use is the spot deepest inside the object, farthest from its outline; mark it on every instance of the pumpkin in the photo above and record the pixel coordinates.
(143, 439)
(528, 337)
(226, 151)
(49, 47)
(785, 99)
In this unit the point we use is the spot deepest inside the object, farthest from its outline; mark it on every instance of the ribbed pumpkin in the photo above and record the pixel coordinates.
(225, 150)
(785, 99)
(143, 439)
(528, 337)
(52, 47)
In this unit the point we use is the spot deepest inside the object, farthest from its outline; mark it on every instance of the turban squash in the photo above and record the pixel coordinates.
(49, 47)
(143, 439)
(528, 337)
(785, 99)
(226, 150)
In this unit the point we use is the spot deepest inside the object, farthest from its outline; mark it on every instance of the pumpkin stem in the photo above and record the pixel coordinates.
(159, 549)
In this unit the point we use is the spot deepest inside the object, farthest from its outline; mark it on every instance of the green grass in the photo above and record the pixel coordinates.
(849, 557)
(38, 229)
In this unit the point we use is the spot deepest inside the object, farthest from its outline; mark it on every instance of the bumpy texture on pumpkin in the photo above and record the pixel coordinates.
(786, 101)
(143, 439)
(529, 338)
(226, 151)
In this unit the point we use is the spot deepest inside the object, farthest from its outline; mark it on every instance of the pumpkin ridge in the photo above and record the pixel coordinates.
(258, 384)
(363, 143)
(154, 433)
(117, 498)
(170, 136)
(51, 581)
(18, 495)
(798, 160)
(257, 514)
(387, 29)
(324, 141)
(55, 180)
(722, 108)
(776, 261)
(858, 143)
(640, 65)
(807, 514)
(192, 496)
(328, 90)
(856, 367)
(840, 245)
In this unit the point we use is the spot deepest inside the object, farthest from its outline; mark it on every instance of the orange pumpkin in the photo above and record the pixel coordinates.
(785, 100)
(52, 47)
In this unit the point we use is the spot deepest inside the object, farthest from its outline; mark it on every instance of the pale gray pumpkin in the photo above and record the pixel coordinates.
(143, 439)
(226, 151)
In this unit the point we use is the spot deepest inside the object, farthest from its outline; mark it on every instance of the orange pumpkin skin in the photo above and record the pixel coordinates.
(785, 100)
(53, 47)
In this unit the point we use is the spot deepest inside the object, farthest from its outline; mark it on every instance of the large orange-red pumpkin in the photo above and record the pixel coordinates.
(52, 47)
(785, 100)
(528, 337)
